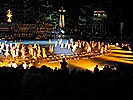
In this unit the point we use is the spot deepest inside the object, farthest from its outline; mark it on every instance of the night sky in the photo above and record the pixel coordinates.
(117, 10)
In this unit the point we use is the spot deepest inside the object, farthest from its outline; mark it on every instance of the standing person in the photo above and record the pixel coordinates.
(30, 84)
(63, 64)
(96, 69)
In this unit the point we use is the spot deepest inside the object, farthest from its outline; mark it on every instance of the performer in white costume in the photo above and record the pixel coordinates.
(13, 52)
(74, 47)
(23, 51)
(88, 47)
(56, 43)
(44, 52)
(38, 51)
(66, 44)
(7, 51)
(62, 45)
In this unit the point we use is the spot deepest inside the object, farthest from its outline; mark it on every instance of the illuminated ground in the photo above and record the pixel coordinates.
(117, 55)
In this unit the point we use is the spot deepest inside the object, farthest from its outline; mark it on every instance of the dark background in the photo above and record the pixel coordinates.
(117, 10)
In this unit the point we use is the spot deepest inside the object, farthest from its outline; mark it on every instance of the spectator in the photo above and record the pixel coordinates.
(96, 69)
(30, 84)
(63, 64)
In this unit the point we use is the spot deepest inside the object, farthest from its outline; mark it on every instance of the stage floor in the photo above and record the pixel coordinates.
(89, 63)
(41, 42)
(82, 63)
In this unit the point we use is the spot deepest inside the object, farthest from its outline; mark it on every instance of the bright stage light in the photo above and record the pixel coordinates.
(9, 15)
(62, 31)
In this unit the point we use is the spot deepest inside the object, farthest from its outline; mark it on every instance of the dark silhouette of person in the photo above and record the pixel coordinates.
(96, 69)
(63, 64)
(30, 84)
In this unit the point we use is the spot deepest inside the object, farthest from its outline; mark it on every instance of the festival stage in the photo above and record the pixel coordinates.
(59, 46)
(39, 52)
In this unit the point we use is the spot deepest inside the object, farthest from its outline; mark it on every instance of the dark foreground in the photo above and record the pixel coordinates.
(47, 84)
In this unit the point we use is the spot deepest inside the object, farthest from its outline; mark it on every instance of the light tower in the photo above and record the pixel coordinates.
(61, 18)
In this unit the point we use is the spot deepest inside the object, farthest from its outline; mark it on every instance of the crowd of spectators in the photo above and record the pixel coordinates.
(49, 84)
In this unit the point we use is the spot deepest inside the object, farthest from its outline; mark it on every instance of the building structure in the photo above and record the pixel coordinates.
(99, 23)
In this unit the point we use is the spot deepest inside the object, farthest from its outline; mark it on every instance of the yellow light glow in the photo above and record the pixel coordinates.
(60, 21)
(60, 10)
(61, 18)
(9, 20)
(64, 10)
(63, 22)
(9, 15)
(117, 55)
